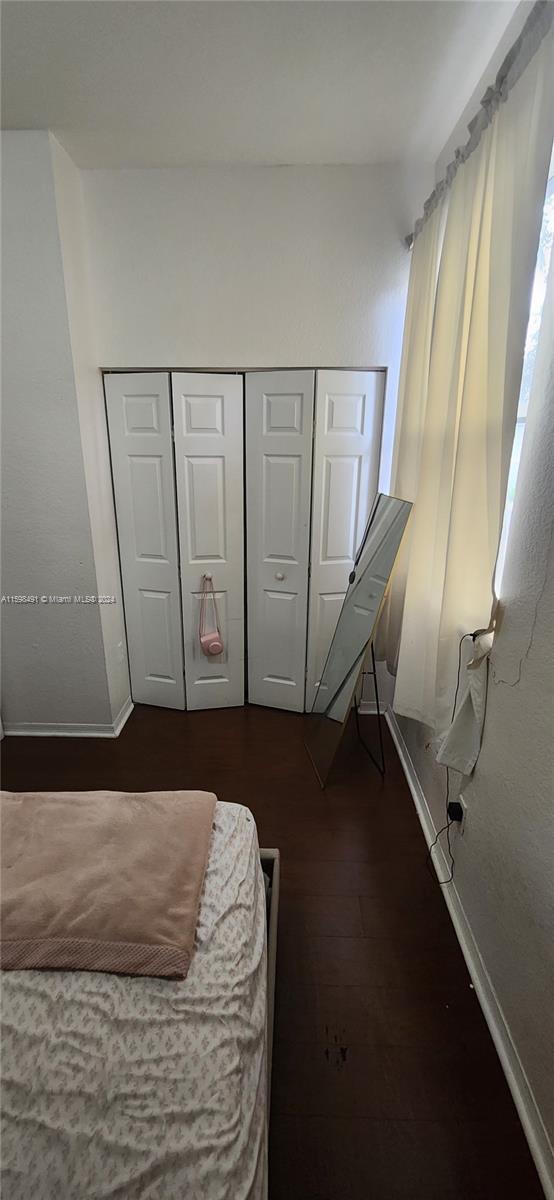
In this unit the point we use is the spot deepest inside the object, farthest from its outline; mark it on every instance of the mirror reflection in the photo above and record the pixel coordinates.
(354, 630)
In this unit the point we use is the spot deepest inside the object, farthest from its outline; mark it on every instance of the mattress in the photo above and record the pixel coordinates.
(130, 1087)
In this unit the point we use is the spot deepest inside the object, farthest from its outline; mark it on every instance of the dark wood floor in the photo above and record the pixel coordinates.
(386, 1085)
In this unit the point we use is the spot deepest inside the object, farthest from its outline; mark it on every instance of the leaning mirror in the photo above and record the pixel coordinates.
(354, 630)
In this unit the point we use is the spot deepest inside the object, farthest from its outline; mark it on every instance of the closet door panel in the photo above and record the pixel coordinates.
(208, 430)
(347, 446)
(279, 420)
(142, 464)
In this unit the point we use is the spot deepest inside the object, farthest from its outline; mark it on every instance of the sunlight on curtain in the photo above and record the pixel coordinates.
(456, 426)
(410, 413)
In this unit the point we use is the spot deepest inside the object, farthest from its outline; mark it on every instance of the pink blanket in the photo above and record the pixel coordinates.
(103, 881)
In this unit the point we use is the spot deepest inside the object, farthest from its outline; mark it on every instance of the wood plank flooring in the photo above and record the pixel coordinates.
(386, 1084)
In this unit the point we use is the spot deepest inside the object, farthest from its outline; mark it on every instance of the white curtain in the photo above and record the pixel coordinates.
(461, 371)
(410, 414)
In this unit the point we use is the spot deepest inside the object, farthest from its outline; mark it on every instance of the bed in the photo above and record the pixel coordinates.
(140, 1087)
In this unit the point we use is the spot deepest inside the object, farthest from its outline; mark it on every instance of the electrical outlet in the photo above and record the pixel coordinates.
(456, 812)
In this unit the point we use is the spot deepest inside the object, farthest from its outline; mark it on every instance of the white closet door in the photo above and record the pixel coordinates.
(279, 420)
(142, 465)
(348, 424)
(208, 428)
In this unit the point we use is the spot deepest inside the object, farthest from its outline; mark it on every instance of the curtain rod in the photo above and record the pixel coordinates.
(537, 25)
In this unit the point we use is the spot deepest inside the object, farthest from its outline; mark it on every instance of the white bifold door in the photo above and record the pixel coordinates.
(279, 422)
(348, 424)
(179, 467)
(139, 419)
(208, 431)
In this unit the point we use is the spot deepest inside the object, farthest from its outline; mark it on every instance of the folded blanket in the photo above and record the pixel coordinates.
(103, 881)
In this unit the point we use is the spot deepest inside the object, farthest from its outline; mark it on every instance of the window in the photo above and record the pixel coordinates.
(531, 343)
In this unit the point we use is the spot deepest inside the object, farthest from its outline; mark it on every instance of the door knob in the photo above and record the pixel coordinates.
(279, 575)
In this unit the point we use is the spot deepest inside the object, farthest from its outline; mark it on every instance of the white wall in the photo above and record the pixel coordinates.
(460, 133)
(53, 666)
(253, 267)
(206, 267)
(503, 873)
(92, 419)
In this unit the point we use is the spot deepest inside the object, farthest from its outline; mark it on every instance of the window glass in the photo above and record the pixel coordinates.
(531, 343)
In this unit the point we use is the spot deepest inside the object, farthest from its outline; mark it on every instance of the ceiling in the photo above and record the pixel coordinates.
(158, 83)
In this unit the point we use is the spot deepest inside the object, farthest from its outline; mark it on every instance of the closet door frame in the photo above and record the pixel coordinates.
(241, 374)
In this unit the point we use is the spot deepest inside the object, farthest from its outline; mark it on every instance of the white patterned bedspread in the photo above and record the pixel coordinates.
(121, 1087)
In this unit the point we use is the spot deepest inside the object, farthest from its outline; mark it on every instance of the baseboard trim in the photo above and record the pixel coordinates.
(122, 717)
(529, 1115)
(34, 729)
(369, 708)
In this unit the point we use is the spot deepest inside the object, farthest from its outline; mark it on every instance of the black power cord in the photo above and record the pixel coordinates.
(449, 820)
